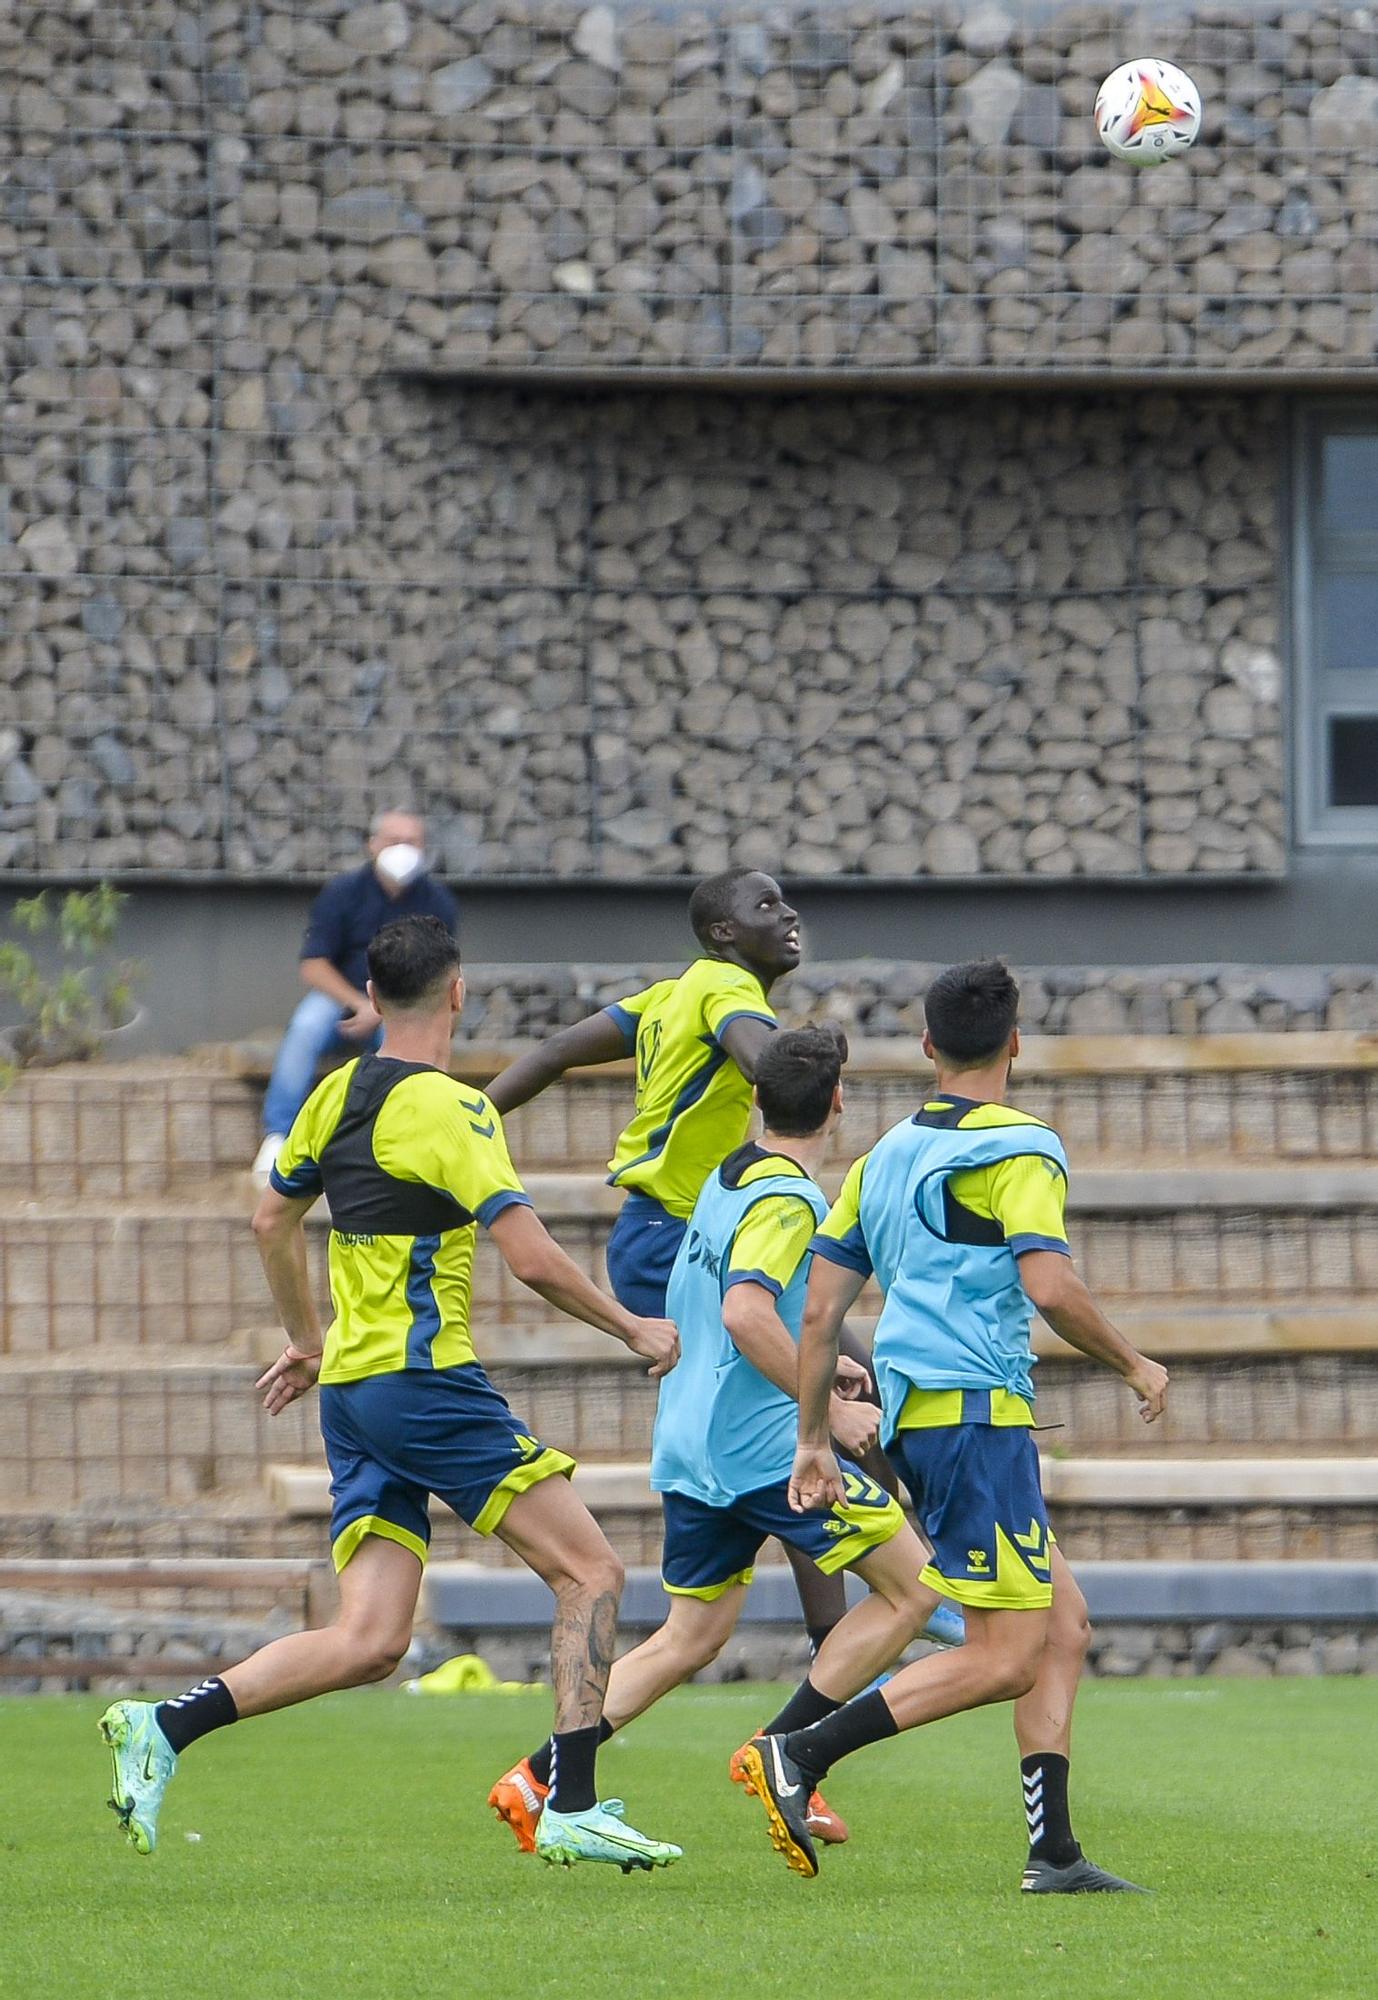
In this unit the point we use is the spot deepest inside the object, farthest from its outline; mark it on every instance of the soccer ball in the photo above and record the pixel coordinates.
(1148, 112)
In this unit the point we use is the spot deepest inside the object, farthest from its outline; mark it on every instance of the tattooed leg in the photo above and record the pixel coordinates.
(581, 1643)
(552, 1531)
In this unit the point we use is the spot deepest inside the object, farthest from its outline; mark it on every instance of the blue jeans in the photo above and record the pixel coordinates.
(312, 1032)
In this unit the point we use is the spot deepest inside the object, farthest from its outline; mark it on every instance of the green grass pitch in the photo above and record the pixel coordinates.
(346, 1853)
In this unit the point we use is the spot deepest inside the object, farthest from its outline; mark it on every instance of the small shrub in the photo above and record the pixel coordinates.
(65, 1013)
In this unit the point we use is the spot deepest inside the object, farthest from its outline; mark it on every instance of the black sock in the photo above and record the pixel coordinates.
(541, 1760)
(817, 1634)
(188, 1716)
(865, 1719)
(573, 1752)
(1045, 1807)
(805, 1706)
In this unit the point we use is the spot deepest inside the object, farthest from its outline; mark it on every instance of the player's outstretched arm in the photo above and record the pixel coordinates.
(833, 1289)
(598, 1039)
(277, 1227)
(1052, 1283)
(532, 1255)
(758, 1332)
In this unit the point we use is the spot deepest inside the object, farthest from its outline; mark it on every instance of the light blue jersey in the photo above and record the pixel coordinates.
(955, 1315)
(722, 1430)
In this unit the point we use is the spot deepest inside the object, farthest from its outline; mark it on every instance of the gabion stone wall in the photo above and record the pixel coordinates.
(879, 185)
(879, 998)
(258, 581)
(651, 633)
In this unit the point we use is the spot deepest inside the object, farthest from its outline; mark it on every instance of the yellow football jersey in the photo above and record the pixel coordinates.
(693, 1105)
(410, 1162)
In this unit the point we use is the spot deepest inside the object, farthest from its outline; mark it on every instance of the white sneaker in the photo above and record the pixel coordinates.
(265, 1159)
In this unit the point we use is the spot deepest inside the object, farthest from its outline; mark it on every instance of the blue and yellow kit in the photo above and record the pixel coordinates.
(724, 1439)
(410, 1162)
(941, 1210)
(693, 1108)
(693, 1105)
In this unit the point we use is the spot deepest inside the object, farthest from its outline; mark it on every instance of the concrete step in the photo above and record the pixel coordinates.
(1259, 1237)
(74, 1276)
(239, 1523)
(1211, 1482)
(1145, 1188)
(232, 1522)
(1220, 1332)
(1325, 1511)
(153, 1428)
(304, 1490)
(1270, 1402)
(101, 1424)
(1237, 1331)
(166, 1127)
(106, 1133)
(305, 1588)
(243, 1523)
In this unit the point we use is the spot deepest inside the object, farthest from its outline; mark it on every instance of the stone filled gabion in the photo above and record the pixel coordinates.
(876, 998)
(256, 579)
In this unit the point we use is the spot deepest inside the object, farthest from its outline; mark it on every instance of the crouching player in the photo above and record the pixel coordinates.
(725, 1434)
(959, 1212)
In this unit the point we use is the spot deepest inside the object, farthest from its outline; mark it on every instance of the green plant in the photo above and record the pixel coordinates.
(66, 1010)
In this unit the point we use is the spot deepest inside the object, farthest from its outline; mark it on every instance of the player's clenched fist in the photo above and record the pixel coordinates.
(656, 1341)
(816, 1480)
(854, 1425)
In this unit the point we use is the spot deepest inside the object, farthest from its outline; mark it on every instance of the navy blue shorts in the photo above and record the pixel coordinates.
(978, 1499)
(393, 1440)
(641, 1252)
(709, 1549)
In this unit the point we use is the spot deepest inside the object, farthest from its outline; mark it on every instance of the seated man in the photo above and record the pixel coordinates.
(336, 1016)
(725, 1430)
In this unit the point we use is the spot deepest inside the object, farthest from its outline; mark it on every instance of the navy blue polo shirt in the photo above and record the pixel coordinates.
(351, 910)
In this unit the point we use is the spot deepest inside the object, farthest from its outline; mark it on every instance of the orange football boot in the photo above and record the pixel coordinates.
(824, 1823)
(517, 1798)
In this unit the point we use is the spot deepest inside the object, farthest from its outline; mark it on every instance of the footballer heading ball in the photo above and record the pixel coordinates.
(1148, 112)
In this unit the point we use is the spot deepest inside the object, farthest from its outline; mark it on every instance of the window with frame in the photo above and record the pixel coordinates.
(1336, 613)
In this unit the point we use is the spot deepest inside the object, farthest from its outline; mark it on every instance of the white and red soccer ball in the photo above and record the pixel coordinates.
(1148, 112)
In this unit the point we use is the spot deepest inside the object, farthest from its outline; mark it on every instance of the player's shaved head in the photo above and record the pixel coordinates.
(742, 915)
(715, 901)
(412, 964)
(797, 1074)
(971, 1011)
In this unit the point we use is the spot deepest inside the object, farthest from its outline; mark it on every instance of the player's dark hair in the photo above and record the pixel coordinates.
(412, 961)
(971, 1010)
(796, 1074)
(711, 902)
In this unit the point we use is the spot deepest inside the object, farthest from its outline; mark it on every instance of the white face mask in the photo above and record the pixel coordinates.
(400, 864)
